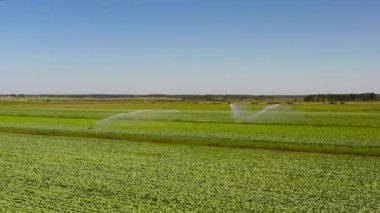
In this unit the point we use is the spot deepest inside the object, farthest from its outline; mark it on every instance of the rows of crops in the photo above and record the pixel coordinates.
(66, 174)
(61, 156)
(287, 128)
(288, 114)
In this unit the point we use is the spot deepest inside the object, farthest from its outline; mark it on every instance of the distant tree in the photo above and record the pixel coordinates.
(342, 97)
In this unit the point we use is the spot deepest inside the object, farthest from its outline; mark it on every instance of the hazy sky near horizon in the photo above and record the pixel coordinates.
(189, 46)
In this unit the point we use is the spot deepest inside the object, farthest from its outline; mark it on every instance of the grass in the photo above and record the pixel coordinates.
(197, 159)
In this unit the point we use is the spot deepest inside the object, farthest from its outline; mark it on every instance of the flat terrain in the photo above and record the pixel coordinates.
(65, 155)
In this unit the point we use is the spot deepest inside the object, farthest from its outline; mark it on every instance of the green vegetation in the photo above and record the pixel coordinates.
(56, 156)
(342, 97)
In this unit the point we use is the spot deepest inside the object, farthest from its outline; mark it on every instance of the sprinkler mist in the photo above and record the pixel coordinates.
(243, 115)
(135, 115)
(253, 117)
(236, 112)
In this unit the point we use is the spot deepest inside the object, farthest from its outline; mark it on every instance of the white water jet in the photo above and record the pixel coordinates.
(121, 116)
(242, 115)
(140, 114)
(236, 112)
(253, 117)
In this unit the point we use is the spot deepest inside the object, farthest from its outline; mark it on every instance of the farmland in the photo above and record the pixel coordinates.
(59, 155)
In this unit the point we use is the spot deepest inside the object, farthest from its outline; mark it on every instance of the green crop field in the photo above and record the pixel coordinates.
(128, 155)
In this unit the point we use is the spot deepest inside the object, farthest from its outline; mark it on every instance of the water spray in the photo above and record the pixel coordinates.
(253, 117)
(140, 114)
(238, 114)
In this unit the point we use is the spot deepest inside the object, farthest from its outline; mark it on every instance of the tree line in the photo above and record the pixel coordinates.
(342, 97)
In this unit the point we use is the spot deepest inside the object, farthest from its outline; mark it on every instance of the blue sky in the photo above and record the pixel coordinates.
(189, 46)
